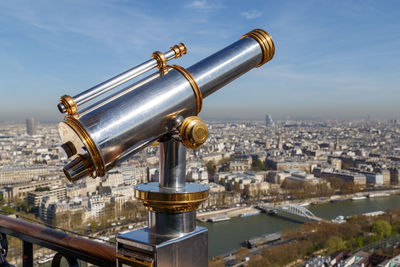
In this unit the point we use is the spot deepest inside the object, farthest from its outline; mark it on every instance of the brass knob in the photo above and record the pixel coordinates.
(179, 49)
(193, 132)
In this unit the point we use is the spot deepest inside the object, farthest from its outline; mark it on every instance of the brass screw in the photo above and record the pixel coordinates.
(200, 132)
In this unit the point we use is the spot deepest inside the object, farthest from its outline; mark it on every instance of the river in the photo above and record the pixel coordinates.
(227, 236)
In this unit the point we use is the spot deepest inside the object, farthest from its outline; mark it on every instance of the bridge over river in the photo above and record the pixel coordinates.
(291, 212)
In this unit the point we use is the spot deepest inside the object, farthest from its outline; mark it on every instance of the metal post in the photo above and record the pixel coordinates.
(172, 164)
(171, 238)
(171, 224)
(172, 177)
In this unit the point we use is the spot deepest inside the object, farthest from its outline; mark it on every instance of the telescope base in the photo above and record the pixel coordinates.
(143, 248)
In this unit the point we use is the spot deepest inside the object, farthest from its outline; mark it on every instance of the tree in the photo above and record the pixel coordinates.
(396, 228)
(323, 189)
(334, 243)
(77, 219)
(93, 226)
(8, 209)
(336, 183)
(41, 189)
(349, 188)
(241, 254)
(22, 205)
(381, 229)
(211, 168)
(224, 160)
(257, 165)
(360, 241)
(216, 262)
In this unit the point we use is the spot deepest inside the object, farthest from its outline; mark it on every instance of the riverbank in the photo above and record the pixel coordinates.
(322, 200)
(230, 212)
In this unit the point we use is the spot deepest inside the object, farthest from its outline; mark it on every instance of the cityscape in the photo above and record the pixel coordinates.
(250, 167)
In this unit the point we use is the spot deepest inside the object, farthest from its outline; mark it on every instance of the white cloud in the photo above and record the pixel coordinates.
(252, 14)
(204, 4)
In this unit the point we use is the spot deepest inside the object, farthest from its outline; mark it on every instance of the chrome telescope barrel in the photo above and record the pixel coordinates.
(159, 60)
(114, 129)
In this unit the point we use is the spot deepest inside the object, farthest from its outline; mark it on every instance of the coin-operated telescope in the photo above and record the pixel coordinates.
(161, 107)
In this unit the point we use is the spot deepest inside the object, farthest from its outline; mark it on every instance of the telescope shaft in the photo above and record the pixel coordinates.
(219, 69)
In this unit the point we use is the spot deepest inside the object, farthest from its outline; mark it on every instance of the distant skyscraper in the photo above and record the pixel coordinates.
(31, 126)
(268, 121)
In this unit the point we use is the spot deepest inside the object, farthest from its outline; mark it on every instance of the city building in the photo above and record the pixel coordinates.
(20, 191)
(21, 174)
(96, 206)
(31, 126)
(394, 175)
(34, 198)
(302, 177)
(371, 177)
(268, 121)
(356, 178)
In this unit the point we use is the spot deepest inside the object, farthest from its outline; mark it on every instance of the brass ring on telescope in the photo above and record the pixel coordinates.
(193, 84)
(267, 40)
(179, 49)
(266, 43)
(69, 103)
(89, 144)
(161, 59)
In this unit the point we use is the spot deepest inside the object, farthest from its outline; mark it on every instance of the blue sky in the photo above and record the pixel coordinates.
(334, 59)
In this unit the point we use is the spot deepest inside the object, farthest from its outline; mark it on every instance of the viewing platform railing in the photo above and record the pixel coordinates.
(72, 248)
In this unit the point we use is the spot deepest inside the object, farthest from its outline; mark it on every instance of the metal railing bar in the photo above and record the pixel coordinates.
(51, 226)
(84, 249)
(27, 254)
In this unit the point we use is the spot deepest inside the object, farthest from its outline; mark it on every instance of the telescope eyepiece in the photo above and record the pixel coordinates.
(78, 168)
(61, 108)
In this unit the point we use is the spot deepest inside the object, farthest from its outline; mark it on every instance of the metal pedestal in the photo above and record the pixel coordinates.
(171, 238)
(141, 248)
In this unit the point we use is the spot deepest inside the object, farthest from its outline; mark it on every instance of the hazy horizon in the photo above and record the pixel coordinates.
(367, 117)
